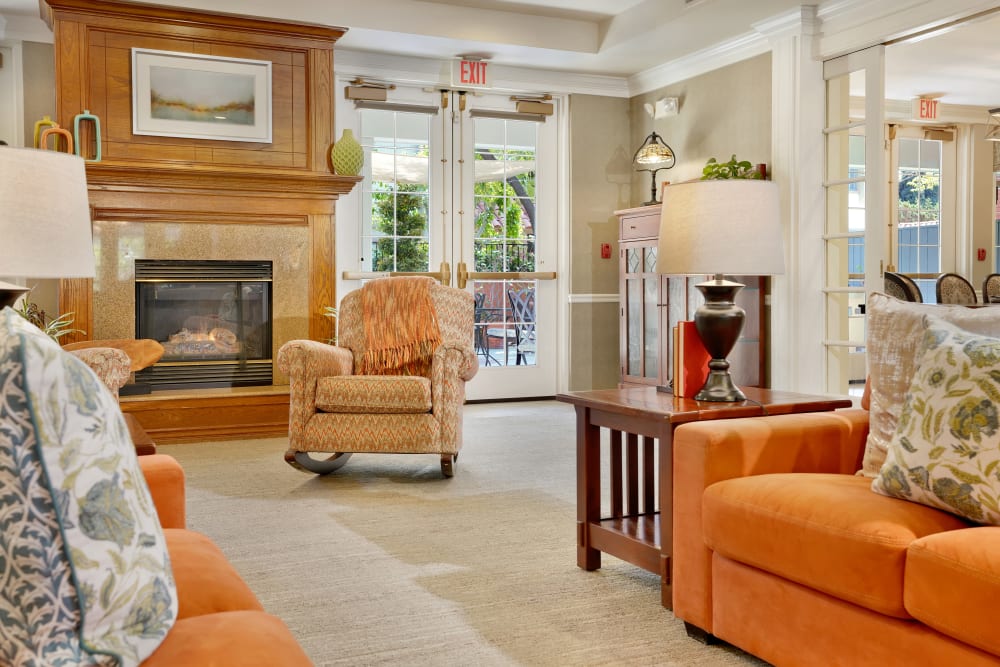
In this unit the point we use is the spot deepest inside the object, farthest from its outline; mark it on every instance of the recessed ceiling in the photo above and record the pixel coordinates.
(611, 37)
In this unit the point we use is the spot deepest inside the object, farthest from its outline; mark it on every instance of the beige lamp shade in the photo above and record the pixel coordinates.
(45, 229)
(728, 227)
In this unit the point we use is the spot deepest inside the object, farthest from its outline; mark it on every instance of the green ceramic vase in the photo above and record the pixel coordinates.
(346, 155)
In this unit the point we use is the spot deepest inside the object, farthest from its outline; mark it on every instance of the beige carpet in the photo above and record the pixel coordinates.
(385, 562)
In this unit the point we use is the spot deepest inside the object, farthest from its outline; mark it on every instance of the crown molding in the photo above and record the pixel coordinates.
(437, 72)
(699, 62)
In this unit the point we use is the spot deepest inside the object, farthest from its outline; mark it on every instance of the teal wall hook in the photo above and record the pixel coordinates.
(87, 116)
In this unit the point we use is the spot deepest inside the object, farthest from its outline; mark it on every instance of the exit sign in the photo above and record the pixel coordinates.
(470, 74)
(924, 109)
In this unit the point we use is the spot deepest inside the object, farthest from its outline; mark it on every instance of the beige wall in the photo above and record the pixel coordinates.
(39, 86)
(983, 193)
(600, 183)
(723, 112)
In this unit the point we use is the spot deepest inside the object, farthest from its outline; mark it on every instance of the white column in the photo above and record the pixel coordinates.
(797, 150)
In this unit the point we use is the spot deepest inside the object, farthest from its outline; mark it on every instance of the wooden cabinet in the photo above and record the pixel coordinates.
(651, 304)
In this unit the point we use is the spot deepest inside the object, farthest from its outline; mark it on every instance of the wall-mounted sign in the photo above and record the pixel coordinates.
(925, 109)
(470, 74)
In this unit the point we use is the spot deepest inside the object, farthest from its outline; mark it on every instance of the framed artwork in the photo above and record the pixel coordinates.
(200, 97)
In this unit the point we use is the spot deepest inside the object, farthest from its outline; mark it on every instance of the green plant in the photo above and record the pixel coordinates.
(715, 170)
(54, 329)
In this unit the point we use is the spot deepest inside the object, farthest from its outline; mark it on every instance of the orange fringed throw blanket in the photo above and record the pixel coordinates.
(401, 328)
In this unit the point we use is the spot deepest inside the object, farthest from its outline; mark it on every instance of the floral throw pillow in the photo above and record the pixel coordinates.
(945, 452)
(84, 573)
(895, 329)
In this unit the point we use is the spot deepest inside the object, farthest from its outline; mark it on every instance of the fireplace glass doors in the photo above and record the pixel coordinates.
(213, 319)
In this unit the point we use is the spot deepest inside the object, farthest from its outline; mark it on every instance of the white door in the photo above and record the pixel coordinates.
(459, 187)
(856, 237)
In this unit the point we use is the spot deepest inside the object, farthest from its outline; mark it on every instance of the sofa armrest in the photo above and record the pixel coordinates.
(711, 451)
(165, 479)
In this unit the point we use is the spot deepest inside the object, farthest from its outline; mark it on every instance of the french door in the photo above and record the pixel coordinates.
(855, 238)
(459, 187)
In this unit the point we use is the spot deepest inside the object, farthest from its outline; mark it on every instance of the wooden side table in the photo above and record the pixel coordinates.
(638, 525)
(143, 443)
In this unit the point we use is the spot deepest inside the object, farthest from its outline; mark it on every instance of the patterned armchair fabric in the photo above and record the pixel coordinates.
(111, 365)
(335, 411)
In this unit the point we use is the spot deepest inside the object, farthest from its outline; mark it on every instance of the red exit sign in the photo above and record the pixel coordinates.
(924, 109)
(470, 73)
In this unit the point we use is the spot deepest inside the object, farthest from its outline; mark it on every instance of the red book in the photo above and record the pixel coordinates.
(690, 361)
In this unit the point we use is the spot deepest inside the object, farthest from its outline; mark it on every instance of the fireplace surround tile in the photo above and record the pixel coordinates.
(118, 244)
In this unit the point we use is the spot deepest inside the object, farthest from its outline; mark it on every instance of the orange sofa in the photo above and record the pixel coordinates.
(220, 621)
(781, 550)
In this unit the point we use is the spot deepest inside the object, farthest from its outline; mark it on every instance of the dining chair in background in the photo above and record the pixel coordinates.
(953, 288)
(902, 287)
(991, 288)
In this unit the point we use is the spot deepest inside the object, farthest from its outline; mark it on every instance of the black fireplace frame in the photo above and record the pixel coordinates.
(238, 371)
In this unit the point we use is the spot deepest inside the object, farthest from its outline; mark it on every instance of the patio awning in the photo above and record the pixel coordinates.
(413, 169)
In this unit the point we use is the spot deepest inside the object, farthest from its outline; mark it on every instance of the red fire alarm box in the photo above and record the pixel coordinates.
(605, 251)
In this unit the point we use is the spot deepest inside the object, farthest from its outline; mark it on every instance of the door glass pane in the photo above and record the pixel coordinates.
(651, 325)
(504, 194)
(396, 190)
(633, 325)
(505, 220)
(918, 212)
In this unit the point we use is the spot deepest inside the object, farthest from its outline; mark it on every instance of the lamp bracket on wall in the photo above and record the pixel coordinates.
(363, 89)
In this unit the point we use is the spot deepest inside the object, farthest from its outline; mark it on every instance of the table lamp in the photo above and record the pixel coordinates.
(714, 227)
(654, 155)
(45, 227)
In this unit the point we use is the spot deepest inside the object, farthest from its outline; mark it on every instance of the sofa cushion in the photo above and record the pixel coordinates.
(825, 531)
(85, 569)
(206, 582)
(946, 449)
(244, 638)
(952, 584)
(402, 394)
(895, 329)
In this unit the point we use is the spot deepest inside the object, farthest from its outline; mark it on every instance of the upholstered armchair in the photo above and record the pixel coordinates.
(345, 399)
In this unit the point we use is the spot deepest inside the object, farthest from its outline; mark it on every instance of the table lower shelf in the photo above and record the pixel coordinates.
(633, 539)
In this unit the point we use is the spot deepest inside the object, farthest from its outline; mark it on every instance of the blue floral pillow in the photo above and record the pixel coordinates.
(946, 449)
(84, 573)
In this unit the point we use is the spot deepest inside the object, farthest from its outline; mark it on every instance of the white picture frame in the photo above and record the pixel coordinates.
(196, 96)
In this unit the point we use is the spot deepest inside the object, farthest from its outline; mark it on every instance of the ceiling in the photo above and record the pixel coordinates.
(609, 37)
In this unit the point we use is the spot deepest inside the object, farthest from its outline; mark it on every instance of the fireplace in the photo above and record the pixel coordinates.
(213, 318)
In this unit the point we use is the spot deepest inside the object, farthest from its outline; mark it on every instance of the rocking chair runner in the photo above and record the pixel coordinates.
(337, 412)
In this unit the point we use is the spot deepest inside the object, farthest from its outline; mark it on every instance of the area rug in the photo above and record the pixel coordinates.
(386, 562)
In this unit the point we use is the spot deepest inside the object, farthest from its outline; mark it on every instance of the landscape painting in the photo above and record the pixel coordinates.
(197, 96)
(207, 97)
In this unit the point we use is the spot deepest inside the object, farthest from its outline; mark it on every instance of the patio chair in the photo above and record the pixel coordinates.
(394, 383)
(522, 308)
